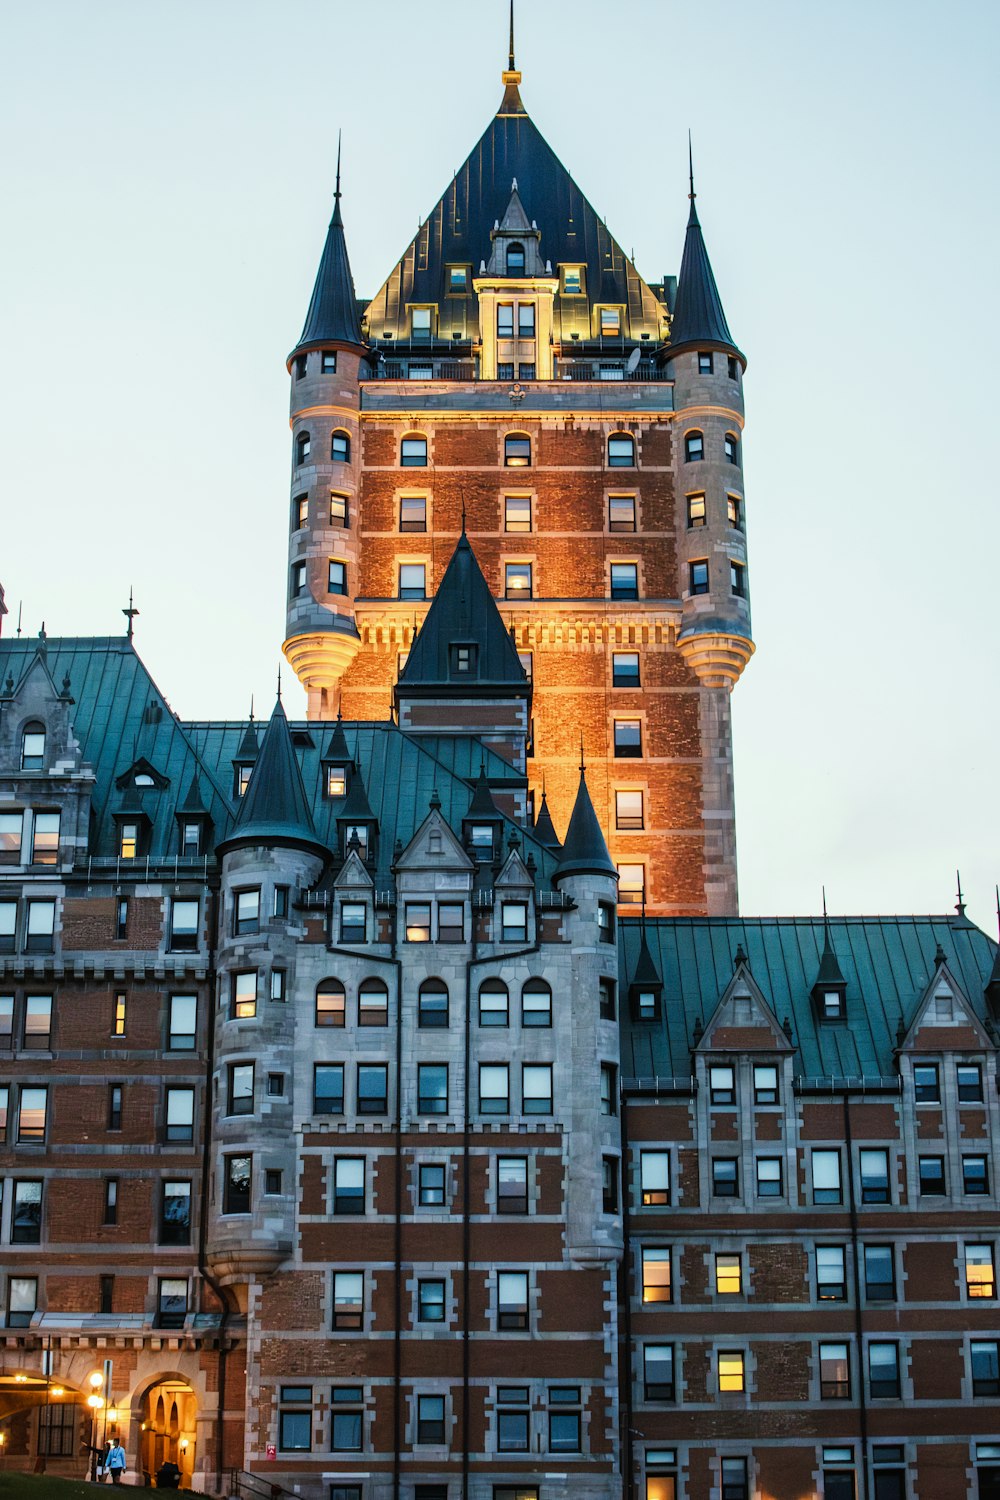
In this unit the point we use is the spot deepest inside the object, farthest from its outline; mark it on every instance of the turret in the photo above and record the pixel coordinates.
(516, 291)
(707, 369)
(326, 367)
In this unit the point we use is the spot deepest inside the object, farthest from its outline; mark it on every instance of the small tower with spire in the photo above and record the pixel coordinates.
(326, 368)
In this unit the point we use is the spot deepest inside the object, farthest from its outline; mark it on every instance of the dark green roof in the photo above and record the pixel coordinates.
(482, 807)
(887, 963)
(463, 611)
(584, 851)
(333, 308)
(545, 829)
(274, 808)
(698, 315)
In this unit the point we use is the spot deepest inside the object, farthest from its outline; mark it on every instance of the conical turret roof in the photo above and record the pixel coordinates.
(333, 309)
(482, 808)
(249, 747)
(584, 852)
(336, 746)
(356, 808)
(274, 808)
(698, 314)
(829, 975)
(545, 830)
(463, 610)
(646, 974)
(194, 803)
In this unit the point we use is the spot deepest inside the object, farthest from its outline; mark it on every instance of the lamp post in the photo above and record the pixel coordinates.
(95, 1402)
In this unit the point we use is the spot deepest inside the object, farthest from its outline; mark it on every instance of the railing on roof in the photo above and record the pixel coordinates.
(862, 1083)
(660, 1085)
(148, 867)
(606, 369)
(555, 900)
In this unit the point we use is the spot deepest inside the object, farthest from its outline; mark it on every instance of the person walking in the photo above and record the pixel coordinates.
(115, 1461)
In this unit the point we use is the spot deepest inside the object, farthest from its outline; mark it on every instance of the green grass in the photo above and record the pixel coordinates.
(43, 1487)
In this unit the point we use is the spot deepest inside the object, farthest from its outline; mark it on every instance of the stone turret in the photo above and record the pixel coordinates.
(326, 367)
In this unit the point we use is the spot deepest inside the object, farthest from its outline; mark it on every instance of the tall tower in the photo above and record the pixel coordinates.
(326, 368)
(526, 386)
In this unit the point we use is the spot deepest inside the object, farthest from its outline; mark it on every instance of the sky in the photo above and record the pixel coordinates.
(167, 184)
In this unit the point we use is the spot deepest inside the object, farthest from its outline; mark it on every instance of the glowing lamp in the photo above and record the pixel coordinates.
(112, 1414)
(96, 1380)
(20, 1379)
(94, 1402)
(57, 1390)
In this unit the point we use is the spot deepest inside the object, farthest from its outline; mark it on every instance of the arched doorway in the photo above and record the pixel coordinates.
(168, 1414)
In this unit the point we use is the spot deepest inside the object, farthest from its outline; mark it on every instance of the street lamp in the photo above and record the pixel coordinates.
(95, 1403)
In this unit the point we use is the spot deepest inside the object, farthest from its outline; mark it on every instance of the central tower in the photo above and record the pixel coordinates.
(515, 378)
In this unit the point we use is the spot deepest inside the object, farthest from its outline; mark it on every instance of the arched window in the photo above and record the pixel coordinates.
(373, 1003)
(494, 1003)
(621, 451)
(303, 444)
(331, 1003)
(515, 259)
(694, 447)
(536, 1003)
(33, 747)
(340, 447)
(517, 450)
(432, 1003)
(413, 452)
(732, 448)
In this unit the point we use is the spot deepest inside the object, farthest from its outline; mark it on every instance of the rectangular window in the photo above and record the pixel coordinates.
(514, 922)
(628, 810)
(240, 1092)
(733, 366)
(115, 1092)
(31, 1114)
(985, 1363)
(564, 1420)
(526, 320)
(111, 1200)
(728, 1275)
(180, 1114)
(8, 926)
(431, 1184)
(22, 1300)
(536, 1004)
(517, 581)
(338, 512)
(418, 922)
(353, 922)
(493, 1003)
(420, 322)
(654, 1178)
(11, 835)
(237, 1185)
(26, 1214)
(121, 919)
(734, 511)
(834, 1372)
(838, 1484)
(698, 576)
(517, 513)
(244, 1002)
(432, 1088)
(931, 1172)
(6, 1022)
(609, 1185)
(175, 1213)
(513, 1419)
(769, 1177)
(336, 781)
(373, 1087)
(128, 840)
(975, 1176)
(295, 1425)
(656, 1274)
(430, 1301)
(431, 1420)
(505, 320)
(883, 1369)
(880, 1273)
(610, 322)
(621, 513)
(348, 1299)
(336, 577)
(349, 1185)
(328, 362)
(831, 1273)
(512, 1300)
(970, 1083)
(765, 1084)
(874, 1176)
(722, 1085)
(183, 1022)
(706, 363)
(300, 512)
(738, 579)
(41, 926)
(735, 1485)
(609, 1089)
(172, 1302)
(624, 580)
(628, 738)
(926, 1083)
(536, 1088)
(512, 1185)
(451, 926)
(980, 1272)
(246, 917)
(695, 511)
(605, 922)
(505, 369)
(732, 1370)
(606, 999)
(373, 1003)
(413, 513)
(725, 1177)
(572, 281)
(190, 840)
(625, 669)
(272, 1180)
(412, 581)
(458, 279)
(826, 1187)
(37, 1034)
(45, 839)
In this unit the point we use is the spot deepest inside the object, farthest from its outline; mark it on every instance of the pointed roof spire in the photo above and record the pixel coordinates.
(829, 975)
(336, 746)
(510, 56)
(194, 803)
(698, 313)
(646, 975)
(960, 919)
(274, 808)
(356, 808)
(333, 308)
(545, 830)
(463, 611)
(249, 747)
(584, 851)
(510, 77)
(482, 808)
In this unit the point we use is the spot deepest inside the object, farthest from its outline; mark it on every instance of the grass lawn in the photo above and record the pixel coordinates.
(43, 1487)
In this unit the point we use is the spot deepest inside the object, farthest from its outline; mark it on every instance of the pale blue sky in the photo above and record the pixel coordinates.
(168, 170)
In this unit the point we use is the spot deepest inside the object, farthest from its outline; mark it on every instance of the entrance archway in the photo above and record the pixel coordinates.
(169, 1423)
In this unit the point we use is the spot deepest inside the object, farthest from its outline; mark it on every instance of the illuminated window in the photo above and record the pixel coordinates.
(628, 738)
(128, 840)
(831, 1273)
(348, 1299)
(418, 922)
(694, 447)
(738, 579)
(536, 1088)
(420, 322)
(625, 669)
(734, 511)
(621, 451)
(11, 832)
(834, 1372)
(340, 447)
(118, 1025)
(412, 581)
(331, 1003)
(45, 838)
(413, 513)
(698, 576)
(33, 747)
(373, 1003)
(706, 363)
(656, 1277)
(244, 1001)
(458, 279)
(980, 1272)
(526, 320)
(338, 509)
(611, 322)
(769, 1183)
(505, 321)
(517, 451)
(517, 512)
(624, 580)
(572, 281)
(631, 884)
(515, 259)
(728, 1275)
(303, 447)
(628, 810)
(732, 1370)
(517, 580)
(413, 453)
(731, 445)
(337, 580)
(328, 362)
(654, 1178)
(621, 512)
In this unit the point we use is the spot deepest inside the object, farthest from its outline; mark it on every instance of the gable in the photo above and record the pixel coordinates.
(944, 1020)
(433, 847)
(743, 1021)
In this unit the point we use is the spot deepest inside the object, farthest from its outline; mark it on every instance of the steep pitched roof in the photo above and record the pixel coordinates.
(457, 232)
(698, 315)
(274, 808)
(333, 308)
(545, 829)
(482, 808)
(584, 852)
(463, 610)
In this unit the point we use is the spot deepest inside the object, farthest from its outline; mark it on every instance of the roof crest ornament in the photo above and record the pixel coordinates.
(510, 56)
(691, 194)
(130, 615)
(336, 190)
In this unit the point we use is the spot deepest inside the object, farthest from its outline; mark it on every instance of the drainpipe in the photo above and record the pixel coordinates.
(625, 1297)
(858, 1318)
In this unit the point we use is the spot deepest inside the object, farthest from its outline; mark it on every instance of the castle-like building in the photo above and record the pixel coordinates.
(393, 1104)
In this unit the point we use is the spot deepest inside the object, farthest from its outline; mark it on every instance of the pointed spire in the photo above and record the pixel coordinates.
(194, 803)
(336, 746)
(584, 851)
(356, 808)
(698, 313)
(960, 919)
(130, 614)
(545, 831)
(992, 987)
(510, 77)
(829, 975)
(249, 747)
(274, 808)
(333, 309)
(646, 975)
(482, 808)
(510, 56)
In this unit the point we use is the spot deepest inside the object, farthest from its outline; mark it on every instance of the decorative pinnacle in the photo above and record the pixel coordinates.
(583, 759)
(336, 191)
(691, 194)
(251, 708)
(960, 903)
(279, 684)
(510, 58)
(130, 615)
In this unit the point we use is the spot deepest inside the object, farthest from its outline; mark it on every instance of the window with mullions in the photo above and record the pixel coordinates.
(838, 1474)
(628, 739)
(826, 1184)
(37, 1032)
(729, 1275)
(517, 581)
(515, 259)
(698, 576)
(26, 1214)
(738, 580)
(536, 1088)
(303, 447)
(975, 1176)
(621, 513)
(731, 448)
(610, 1199)
(331, 1003)
(984, 1364)
(654, 1178)
(621, 451)
(706, 362)
(328, 362)
(629, 809)
(834, 1372)
(735, 1481)
(31, 1115)
(734, 511)
(373, 1003)
(348, 1184)
(246, 913)
(694, 447)
(656, 1274)
(624, 580)
(45, 838)
(513, 1419)
(880, 1273)
(725, 1177)
(337, 577)
(115, 1094)
(512, 1185)
(450, 928)
(514, 922)
(40, 928)
(11, 836)
(432, 1088)
(494, 1003)
(512, 1300)
(889, 1471)
(243, 1005)
(172, 1302)
(883, 1370)
(765, 1084)
(661, 1474)
(431, 1301)
(413, 513)
(353, 922)
(722, 1085)
(432, 1005)
(930, 1170)
(732, 1371)
(606, 999)
(431, 1426)
(348, 1299)
(328, 1089)
(182, 1024)
(969, 1077)
(175, 1213)
(240, 1090)
(431, 1184)
(874, 1172)
(33, 747)
(695, 511)
(237, 1185)
(565, 1419)
(412, 581)
(980, 1272)
(769, 1177)
(625, 669)
(831, 1273)
(373, 1089)
(413, 452)
(295, 1419)
(517, 513)
(517, 451)
(536, 1003)
(926, 1083)
(610, 322)
(526, 320)
(180, 1115)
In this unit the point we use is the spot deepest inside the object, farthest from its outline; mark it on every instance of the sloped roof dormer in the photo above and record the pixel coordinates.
(743, 1020)
(943, 1019)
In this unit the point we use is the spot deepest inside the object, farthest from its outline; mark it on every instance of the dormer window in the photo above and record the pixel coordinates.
(458, 280)
(420, 322)
(647, 1005)
(481, 840)
(243, 774)
(611, 322)
(33, 747)
(143, 779)
(463, 659)
(357, 831)
(190, 839)
(834, 1005)
(128, 840)
(572, 281)
(515, 259)
(336, 781)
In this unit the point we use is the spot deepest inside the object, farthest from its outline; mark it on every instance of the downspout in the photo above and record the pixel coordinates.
(858, 1319)
(625, 1297)
(474, 962)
